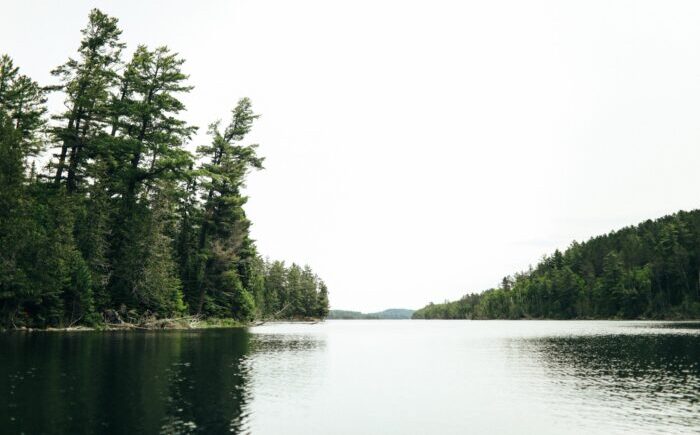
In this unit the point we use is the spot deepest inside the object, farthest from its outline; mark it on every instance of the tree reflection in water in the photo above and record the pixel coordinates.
(638, 376)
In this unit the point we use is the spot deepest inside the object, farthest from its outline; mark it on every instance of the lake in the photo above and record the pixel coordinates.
(357, 377)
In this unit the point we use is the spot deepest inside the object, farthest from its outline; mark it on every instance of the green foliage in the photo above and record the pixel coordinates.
(292, 292)
(86, 83)
(123, 219)
(242, 302)
(158, 288)
(651, 270)
(223, 238)
(22, 101)
(321, 308)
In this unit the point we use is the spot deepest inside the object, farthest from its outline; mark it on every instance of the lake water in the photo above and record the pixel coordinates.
(357, 377)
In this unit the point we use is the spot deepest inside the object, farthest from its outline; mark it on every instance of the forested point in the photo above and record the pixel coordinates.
(105, 216)
(648, 271)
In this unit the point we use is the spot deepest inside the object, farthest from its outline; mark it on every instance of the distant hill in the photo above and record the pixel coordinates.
(392, 313)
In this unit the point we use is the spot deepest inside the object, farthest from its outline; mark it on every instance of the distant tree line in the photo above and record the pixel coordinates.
(103, 208)
(392, 313)
(651, 270)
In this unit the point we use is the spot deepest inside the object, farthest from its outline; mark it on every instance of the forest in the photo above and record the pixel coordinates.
(391, 313)
(105, 213)
(648, 271)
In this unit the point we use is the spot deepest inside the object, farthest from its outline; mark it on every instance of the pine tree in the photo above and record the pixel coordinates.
(159, 289)
(86, 83)
(256, 285)
(295, 300)
(23, 101)
(14, 285)
(127, 220)
(308, 290)
(322, 301)
(224, 242)
(276, 298)
(150, 142)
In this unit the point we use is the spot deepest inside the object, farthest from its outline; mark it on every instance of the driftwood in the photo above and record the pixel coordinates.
(112, 317)
(273, 317)
(299, 319)
(148, 322)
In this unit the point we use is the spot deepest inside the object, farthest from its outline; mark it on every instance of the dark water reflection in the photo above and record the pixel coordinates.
(287, 343)
(651, 378)
(679, 325)
(349, 377)
(123, 383)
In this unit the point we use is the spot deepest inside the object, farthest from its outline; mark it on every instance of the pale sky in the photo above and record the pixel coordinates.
(419, 150)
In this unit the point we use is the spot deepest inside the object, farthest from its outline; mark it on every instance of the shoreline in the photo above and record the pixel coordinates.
(233, 324)
(166, 325)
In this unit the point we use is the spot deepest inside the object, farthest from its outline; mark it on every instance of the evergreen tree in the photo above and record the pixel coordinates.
(309, 292)
(159, 289)
(126, 221)
(321, 308)
(23, 102)
(150, 149)
(86, 83)
(276, 294)
(223, 238)
(637, 272)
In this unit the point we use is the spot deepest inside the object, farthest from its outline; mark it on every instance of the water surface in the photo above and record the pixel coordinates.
(349, 377)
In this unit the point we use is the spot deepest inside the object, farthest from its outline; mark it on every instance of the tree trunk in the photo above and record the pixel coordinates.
(62, 156)
(75, 157)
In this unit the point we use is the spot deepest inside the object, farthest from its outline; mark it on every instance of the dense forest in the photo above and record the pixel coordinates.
(104, 212)
(651, 270)
(390, 314)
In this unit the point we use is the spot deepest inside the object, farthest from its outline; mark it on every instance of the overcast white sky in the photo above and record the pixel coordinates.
(418, 150)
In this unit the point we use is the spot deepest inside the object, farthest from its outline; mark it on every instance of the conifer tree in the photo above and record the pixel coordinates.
(308, 292)
(23, 102)
(125, 219)
(150, 145)
(223, 236)
(86, 83)
(294, 295)
(159, 289)
(276, 289)
(322, 304)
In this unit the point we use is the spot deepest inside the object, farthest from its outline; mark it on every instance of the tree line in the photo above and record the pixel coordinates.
(103, 209)
(391, 313)
(651, 270)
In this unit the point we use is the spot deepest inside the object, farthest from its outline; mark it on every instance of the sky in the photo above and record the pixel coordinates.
(420, 150)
